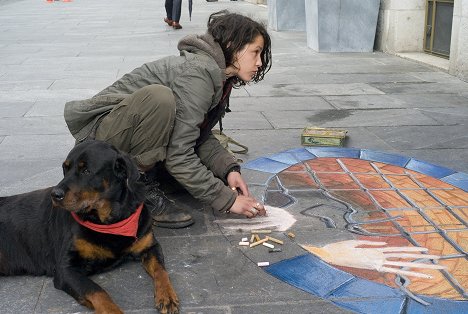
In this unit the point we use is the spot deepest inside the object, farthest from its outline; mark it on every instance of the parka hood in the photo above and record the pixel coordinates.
(205, 43)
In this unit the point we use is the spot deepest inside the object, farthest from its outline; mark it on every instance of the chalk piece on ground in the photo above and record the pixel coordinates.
(258, 242)
(260, 231)
(275, 240)
(274, 250)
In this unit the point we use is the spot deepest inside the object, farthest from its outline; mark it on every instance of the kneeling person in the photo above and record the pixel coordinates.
(162, 113)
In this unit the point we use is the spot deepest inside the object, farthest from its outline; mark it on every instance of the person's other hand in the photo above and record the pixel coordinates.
(247, 206)
(237, 183)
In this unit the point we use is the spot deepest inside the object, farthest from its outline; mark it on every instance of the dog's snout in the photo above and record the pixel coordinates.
(57, 194)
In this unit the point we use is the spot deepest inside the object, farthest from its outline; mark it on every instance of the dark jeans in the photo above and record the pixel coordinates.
(173, 9)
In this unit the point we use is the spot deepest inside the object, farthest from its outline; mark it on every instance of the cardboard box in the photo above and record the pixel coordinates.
(312, 136)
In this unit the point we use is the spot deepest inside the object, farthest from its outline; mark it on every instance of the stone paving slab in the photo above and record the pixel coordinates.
(448, 116)
(419, 88)
(25, 291)
(348, 118)
(451, 136)
(453, 158)
(34, 95)
(33, 125)
(43, 108)
(397, 101)
(15, 109)
(336, 78)
(287, 90)
(34, 174)
(244, 104)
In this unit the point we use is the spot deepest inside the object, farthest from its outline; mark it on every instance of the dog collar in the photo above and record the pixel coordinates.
(127, 227)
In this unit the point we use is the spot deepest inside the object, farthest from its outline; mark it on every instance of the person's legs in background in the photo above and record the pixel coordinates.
(176, 12)
(168, 5)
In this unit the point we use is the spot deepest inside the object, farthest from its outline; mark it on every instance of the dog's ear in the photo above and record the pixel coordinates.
(120, 168)
(125, 168)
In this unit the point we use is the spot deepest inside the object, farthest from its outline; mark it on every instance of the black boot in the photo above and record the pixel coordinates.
(164, 211)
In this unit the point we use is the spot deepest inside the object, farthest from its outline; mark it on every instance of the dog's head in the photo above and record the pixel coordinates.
(100, 183)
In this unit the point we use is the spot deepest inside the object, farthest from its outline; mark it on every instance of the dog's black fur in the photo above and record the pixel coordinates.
(40, 237)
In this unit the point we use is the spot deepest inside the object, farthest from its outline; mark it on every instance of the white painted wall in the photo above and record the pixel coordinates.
(401, 26)
(401, 29)
(459, 44)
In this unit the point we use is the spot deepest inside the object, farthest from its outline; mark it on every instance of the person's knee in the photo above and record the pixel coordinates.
(159, 94)
(157, 104)
(156, 99)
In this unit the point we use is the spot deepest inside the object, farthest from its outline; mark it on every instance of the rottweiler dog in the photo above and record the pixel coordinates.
(93, 220)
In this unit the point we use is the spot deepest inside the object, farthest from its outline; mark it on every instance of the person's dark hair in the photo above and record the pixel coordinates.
(232, 32)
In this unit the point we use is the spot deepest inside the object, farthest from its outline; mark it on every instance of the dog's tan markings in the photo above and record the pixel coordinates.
(104, 209)
(164, 295)
(142, 244)
(85, 302)
(92, 251)
(89, 196)
(76, 200)
(101, 302)
(105, 184)
(71, 201)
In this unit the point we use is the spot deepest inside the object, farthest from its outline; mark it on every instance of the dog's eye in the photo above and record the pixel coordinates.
(66, 166)
(85, 171)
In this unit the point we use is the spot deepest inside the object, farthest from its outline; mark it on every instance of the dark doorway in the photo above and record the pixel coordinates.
(438, 29)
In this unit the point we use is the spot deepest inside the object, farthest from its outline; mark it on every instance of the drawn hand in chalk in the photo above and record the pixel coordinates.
(277, 219)
(347, 253)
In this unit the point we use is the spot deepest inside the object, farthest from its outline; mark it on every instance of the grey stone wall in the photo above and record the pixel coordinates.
(401, 26)
(286, 15)
(341, 25)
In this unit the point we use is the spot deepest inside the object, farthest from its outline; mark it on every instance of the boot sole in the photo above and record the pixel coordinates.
(173, 225)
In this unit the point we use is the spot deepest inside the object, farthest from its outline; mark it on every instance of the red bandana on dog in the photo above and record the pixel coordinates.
(127, 227)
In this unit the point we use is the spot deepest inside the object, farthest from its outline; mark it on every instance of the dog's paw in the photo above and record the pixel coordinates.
(109, 311)
(167, 301)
